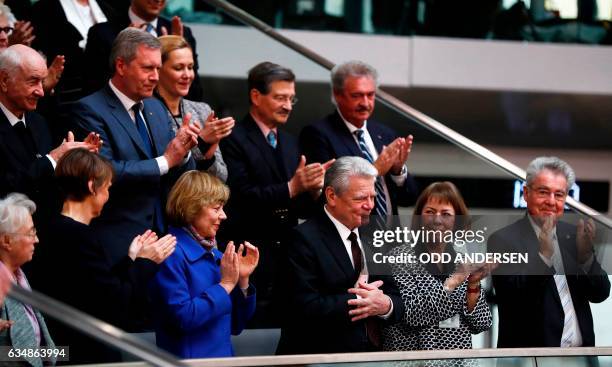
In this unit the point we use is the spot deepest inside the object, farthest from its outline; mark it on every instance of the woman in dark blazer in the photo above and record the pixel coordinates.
(77, 267)
(201, 296)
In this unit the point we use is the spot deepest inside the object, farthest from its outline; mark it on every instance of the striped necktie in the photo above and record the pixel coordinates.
(568, 335)
(380, 204)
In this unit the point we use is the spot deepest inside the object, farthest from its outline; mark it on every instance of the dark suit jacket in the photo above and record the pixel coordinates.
(259, 207)
(25, 171)
(530, 311)
(138, 184)
(330, 138)
(318, 276)
(100, 40)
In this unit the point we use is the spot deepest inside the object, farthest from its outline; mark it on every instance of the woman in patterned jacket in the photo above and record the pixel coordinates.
(444, 303)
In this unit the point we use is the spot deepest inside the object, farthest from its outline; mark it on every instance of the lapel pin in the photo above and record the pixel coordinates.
(379, 136)
(38, 155)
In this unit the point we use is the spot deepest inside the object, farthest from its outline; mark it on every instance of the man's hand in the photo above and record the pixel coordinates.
(388, 157)
(404, 146)
(307, 177)
(216, 129)
(371, 302)
(22, 34)
(546, 236)
(69, 144)
(176, 27)
(54, 73)
(585, 237)
(185, 139)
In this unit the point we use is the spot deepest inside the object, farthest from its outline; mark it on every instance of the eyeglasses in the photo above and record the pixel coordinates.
(31, 234)
(542, 193)
(7, 30)
(285, 99)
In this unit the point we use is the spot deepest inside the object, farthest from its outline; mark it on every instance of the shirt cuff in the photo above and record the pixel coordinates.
(388, 314)
(53, 162)
(401, 178)
(186, 159)
(162, 163)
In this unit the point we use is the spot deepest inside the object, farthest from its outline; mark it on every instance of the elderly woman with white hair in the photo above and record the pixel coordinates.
(17, 241)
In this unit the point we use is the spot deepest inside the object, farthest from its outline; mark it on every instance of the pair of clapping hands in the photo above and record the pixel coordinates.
(149, 246)
(585, 237)
(370, 301)
(236, 267)
(308, 177)
(212, 132)
(394, 156)
(92, 142)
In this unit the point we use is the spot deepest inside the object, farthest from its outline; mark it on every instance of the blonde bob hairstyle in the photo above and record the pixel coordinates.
(171, 43)
(194, 191)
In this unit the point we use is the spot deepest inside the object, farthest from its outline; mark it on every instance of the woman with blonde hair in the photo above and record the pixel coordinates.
(175, 78)
(201, 296)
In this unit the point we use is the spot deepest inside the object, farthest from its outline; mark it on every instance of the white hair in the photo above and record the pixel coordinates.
(553, 164)
(15, 209)
(6, 11)
(338, 175)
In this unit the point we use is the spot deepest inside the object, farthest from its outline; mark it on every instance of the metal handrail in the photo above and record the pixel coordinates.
(401, 107)
(95, 328)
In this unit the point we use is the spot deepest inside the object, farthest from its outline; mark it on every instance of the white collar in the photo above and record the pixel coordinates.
(352, 128)
(136, 20)
(11, 117)
(126, 101)
(343, 230)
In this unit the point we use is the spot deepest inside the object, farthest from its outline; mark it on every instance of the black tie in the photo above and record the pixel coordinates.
(356, 252)
(142, 129)
(26, 138)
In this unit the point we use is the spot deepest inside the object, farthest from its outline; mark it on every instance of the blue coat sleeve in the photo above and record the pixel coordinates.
(243, 308)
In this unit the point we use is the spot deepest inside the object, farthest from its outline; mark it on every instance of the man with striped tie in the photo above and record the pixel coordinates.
(349, 131)
(545, 303)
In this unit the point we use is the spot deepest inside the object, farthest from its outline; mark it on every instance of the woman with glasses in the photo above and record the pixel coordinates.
(175, 78)
(25, 327)
(444, 302)
(77, 267)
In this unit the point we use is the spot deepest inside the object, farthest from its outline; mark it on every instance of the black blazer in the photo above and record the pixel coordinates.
(60, 37)
(100, 40)
(26, 171)
(530, 311)
(330, 138)
(318, 275)
(259, 208)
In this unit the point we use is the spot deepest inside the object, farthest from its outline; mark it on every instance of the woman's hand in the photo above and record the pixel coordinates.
(230, 268)
(158, 250)
(139, 241)
(249, 258)
(216, 129)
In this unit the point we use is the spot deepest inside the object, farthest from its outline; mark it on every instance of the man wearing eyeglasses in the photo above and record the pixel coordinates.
(271, 185)
(545, 303)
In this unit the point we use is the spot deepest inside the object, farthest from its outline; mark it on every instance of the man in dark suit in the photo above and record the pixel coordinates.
(348, 131)
(271, 184)
(27, 157)
(333, 304)
(138, 139)
(145, 15)
(545, 303)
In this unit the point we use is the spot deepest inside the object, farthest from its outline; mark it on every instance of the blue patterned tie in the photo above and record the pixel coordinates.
(380, 207)
(271, 137)
(150, 29)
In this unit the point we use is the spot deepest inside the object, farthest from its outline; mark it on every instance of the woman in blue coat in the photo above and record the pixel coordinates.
(201, 296)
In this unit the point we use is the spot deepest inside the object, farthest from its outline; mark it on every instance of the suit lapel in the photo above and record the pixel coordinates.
(287, 154)
(13, 141)
(36, 133)
(376, 136)
(256, 137)
(335, 245)
(124, 119)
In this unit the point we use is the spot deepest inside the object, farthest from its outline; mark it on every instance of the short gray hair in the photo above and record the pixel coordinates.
(6, 11)
(127, 42)
(15, 209)
(553, 164)
(337, 176)
(10, 61)
(354, 68)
